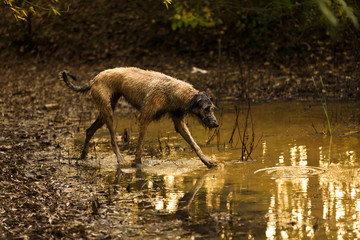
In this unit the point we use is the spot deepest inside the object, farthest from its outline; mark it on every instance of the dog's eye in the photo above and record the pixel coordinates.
(207, 109)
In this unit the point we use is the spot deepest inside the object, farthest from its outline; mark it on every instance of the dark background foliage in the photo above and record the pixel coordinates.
(101, 29)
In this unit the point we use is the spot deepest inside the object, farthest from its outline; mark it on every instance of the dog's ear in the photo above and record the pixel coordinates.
(195, 100)
(207, 92)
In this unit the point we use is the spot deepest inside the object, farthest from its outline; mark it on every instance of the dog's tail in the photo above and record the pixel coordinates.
(64, 76)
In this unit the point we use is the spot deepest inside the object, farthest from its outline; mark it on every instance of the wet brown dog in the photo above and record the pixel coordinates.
(153, 94)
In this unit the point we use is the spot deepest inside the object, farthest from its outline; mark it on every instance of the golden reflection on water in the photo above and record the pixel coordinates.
(335, 193)
(290, 206)
(171, 200)
(288, 214)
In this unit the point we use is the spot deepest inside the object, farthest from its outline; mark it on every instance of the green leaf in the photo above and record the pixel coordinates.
(173, 25)
(349, 13)
(55, 11)
(324, 8)
(167, 3)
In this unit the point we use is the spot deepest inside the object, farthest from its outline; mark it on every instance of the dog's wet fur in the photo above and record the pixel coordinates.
(152, 93)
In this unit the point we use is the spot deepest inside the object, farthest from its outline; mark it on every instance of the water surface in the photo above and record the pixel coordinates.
(299, 183)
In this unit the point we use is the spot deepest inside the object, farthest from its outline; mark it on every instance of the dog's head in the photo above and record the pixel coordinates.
(202, 106)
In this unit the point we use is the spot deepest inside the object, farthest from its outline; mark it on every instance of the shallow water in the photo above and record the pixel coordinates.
(299, 183)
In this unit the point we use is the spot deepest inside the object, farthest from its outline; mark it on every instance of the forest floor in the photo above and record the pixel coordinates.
(38, 113)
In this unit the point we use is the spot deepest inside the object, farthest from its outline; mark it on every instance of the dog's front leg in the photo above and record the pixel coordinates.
(180, 127)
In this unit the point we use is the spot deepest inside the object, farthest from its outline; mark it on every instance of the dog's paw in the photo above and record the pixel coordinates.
(209, 163)
(212, 164)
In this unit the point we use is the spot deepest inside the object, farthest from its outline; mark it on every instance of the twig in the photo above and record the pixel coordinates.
(323, 102)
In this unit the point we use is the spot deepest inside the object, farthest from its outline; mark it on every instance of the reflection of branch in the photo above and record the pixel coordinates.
(243, 141)
(247, 145)
(187, 199)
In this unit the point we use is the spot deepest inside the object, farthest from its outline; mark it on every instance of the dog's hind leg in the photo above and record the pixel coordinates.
(90, 133)
(143, 123)
(106, 102)
(180, 127)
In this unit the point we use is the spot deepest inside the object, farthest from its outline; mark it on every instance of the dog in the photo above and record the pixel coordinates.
(152, 93)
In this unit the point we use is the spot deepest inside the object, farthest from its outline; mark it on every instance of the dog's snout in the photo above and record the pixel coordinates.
(210, 122)
(213, 124)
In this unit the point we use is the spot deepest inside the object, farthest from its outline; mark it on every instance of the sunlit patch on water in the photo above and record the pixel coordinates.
(291, 171)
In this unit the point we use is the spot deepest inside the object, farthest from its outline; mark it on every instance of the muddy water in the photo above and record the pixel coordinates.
(299, 183)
